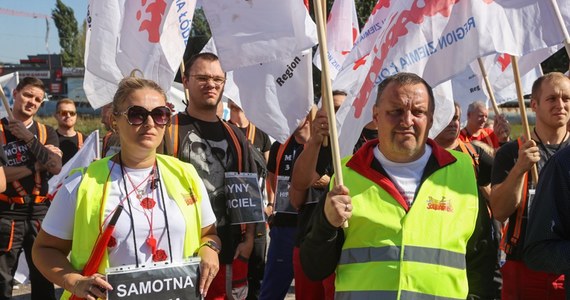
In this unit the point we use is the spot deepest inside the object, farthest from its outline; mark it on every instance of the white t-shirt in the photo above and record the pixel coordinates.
(406, 176)
(61, 214)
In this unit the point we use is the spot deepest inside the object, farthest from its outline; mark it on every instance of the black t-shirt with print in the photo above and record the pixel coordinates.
(261, 140)
(17, 154)
(69, 145)
(209, 147)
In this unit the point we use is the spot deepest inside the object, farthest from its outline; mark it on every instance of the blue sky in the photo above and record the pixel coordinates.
(23, 36)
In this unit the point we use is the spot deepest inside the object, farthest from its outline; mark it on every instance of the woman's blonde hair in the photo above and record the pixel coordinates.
(132, 83)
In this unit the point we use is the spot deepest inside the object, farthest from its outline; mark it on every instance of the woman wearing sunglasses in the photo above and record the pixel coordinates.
(166, 214)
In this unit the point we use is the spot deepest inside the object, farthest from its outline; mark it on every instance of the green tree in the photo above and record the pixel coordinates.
(81, 38)
(67, 29)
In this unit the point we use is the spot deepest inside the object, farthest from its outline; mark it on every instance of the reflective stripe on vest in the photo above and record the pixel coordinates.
(181, 181)
(411, 253)
(406, 249)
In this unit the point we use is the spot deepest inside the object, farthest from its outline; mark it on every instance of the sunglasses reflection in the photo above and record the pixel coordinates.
(67, 113)
(137, 115)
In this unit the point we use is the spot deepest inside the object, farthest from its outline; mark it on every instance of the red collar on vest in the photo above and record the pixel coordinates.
(361, 162)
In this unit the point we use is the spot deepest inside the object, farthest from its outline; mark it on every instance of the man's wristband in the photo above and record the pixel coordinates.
(30, 140)
(269, 204)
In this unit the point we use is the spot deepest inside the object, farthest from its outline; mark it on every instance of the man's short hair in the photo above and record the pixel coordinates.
(405, 78)
(537, 85)
(475, 105)
(208, 56)
(339, 93)
(33, 81)
(63, 101)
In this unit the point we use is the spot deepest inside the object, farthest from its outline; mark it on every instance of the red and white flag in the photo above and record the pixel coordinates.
(342, 31)
(253, 32)
(436, 40)
(500, 69)
(122, 35)
(467, 87)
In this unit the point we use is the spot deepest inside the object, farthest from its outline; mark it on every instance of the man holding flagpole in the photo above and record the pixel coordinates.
(513, 190)
(411, 206)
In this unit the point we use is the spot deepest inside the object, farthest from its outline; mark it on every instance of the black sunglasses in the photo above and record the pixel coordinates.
(137, 115)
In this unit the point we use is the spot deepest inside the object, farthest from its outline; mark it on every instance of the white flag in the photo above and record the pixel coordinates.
(436, 40)
(254, 32)
(466, 87)
(125, 35)
(8, 84)
(86, 155)
(342, 31)
(277, 96)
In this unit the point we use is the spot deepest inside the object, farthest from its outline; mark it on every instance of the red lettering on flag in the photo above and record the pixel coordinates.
(504, 60)
(359, 62)
(416, 14)
(156, 10)
(354, 33)
(379, 5)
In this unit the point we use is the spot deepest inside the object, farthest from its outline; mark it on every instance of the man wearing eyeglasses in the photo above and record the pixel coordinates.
(70, 140)
(31, 151)
(215, 147)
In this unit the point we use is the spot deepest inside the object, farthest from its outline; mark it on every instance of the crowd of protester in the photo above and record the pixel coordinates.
(459, 216)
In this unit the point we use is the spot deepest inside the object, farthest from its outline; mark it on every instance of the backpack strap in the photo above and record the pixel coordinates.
(508, 244)
(79, 140)
(279, 157)
(42, 133)
(251, 133)
(2, 134)
(236, 143)
(173, 133)
(468, 149)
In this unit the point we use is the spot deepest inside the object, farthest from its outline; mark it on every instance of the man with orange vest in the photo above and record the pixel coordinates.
(475, 130)
(31, 151)
(488, 286)
(70, 140)
(513, 189)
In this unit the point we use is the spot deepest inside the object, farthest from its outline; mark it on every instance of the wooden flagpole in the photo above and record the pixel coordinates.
(488, 86)
(6, 104)
(323, 14)
(562, 25)
(526, 128)
(327, 95)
